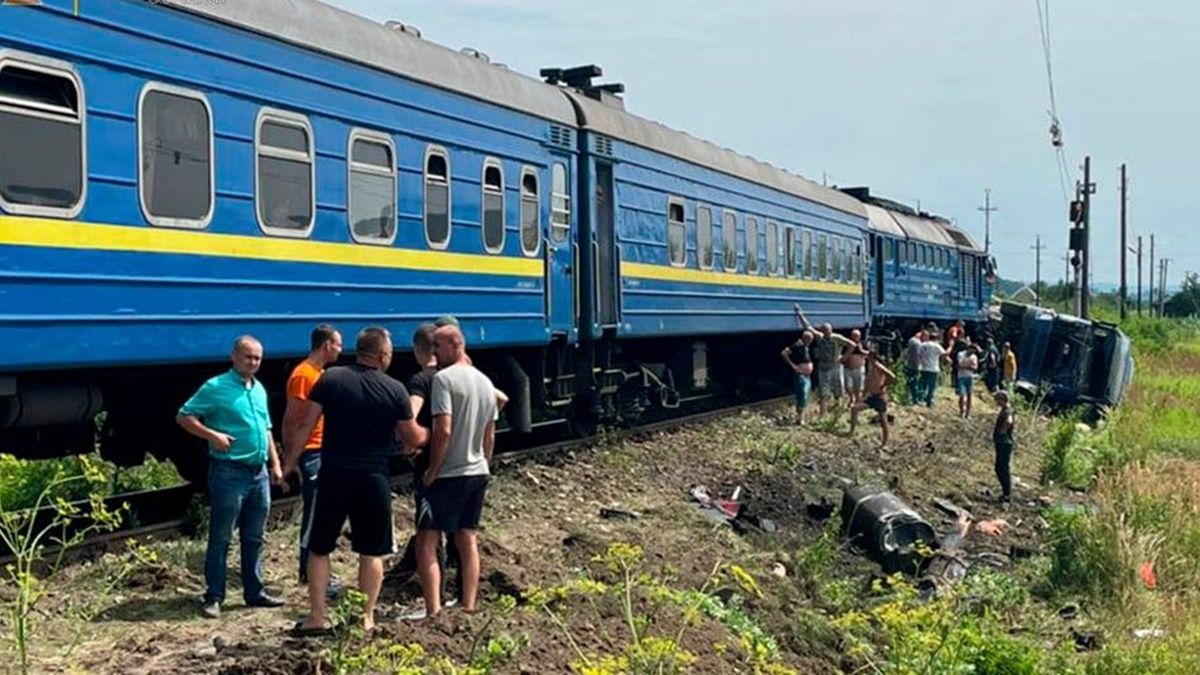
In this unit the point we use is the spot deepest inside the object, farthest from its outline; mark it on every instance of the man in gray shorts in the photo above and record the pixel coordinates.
(826, 352)
(463, 405)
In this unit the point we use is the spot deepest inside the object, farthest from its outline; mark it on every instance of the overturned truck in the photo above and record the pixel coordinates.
(1067, 360)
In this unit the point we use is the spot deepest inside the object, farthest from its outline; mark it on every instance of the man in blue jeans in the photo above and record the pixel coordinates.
(230, 412)
(325, 345)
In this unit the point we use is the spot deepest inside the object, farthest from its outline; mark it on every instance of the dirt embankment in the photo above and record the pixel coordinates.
(549, 544)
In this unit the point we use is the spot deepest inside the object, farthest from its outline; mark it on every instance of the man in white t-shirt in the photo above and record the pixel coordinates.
(929, 363)
(968, 363)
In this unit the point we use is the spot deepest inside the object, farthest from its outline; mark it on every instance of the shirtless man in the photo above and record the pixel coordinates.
(854, 362)
(875, 396)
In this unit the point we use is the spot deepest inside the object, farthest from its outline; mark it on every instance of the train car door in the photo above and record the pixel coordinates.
(562, 253)
(880, 266)
(608, 255)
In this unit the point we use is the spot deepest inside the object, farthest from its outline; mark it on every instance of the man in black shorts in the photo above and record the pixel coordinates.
(364, 409)
(875, 396)
(463, 405)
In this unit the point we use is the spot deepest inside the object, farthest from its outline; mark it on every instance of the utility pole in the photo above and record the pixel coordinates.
(1124, 245)
(1068, 291)
(1085, 292)
(1037, 284)
(987, 209)
(1162, 286)
(1139, 283)
(1153, 271)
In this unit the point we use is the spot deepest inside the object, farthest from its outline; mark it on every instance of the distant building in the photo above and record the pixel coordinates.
(1025, 295)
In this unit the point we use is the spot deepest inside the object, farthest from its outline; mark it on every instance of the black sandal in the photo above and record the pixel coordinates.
(302, 631)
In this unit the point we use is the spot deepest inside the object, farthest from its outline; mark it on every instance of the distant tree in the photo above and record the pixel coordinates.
(1187, 301)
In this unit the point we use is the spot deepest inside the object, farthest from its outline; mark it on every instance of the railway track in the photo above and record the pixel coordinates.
(284, 507)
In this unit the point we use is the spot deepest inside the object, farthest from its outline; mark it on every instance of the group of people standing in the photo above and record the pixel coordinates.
(849, 367)
(341, 427)
(842, 367)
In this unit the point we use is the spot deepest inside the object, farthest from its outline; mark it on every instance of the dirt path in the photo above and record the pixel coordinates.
(545, 530)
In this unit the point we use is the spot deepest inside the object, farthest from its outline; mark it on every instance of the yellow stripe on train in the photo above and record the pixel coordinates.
(51, 233)
(687, 275)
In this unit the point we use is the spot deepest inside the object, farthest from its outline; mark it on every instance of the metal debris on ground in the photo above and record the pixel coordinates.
(892, 534)
(732, 511)
(614, 512)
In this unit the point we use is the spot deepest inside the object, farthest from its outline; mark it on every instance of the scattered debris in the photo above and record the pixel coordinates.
(532, 478)
(1146, 633)
(1087, 640)
(615, 512)
(779, 570)
(992, 528)
(892, 534)
(819, 511)
(1146, 573)
(947, 507)
(1069, 611)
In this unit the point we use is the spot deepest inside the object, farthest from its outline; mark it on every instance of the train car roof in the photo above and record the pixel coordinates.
(922, 229)
(315, 25)
(880, 219)
(963, 240)
(612, 121)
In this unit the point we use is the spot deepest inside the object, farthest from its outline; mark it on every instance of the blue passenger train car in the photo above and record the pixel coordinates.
(923, 268)
(176, 173)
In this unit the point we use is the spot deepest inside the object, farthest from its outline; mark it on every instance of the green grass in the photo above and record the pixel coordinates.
(1143, 472)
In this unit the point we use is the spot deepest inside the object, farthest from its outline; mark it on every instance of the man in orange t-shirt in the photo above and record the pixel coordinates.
(326, 346)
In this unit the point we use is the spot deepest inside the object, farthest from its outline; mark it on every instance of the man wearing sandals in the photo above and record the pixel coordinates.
(364, 409)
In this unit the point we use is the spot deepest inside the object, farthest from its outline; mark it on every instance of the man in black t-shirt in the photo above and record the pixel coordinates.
(1002, 436)
(364, 409)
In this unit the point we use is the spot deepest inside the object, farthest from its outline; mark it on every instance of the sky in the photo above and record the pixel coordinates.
(921, 100)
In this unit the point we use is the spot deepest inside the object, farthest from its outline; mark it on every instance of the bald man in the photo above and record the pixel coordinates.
(230, 412)
(463, 406)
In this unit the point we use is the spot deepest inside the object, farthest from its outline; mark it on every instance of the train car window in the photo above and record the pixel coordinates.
(492, 206)
(822, 256)
(729, 241)
(912, 254)
(437, 197)
(531, 228)
(849, 249)
(704, 237)
(285, 181)
(902, 250)
(175, 174)
(855, 262)
(560, 203)
(838, 257)
(751, 245)
(806, 251)
(789, 250)
(813, 257)
(772, 248)
(371, 205)
(677, 233)
(42, 137)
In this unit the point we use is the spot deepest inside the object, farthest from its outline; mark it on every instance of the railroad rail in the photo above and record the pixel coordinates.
(284, 507)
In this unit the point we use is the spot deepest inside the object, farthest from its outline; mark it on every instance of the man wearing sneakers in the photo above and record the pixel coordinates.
(364, 410)
(463, 405)
(325, 344)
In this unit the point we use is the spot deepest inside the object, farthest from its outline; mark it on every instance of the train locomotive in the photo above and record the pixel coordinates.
(175, 173)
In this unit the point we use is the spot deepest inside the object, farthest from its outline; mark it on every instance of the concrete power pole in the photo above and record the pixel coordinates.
(987, 209)
(1152, 271)
(1124, 246)
(1037, 284)
(1085, 279)
(1139, 280)
(1162, 286)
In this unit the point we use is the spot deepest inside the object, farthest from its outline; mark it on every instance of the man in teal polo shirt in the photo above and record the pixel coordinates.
(230, 412)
